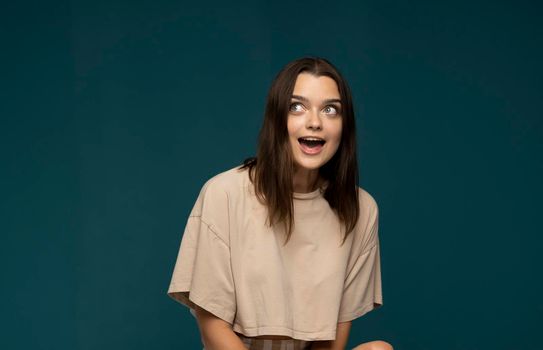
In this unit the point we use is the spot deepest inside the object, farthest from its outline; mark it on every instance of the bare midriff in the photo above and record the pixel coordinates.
(271, 337)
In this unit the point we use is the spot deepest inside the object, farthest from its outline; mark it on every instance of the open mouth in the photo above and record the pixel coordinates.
(311, 142)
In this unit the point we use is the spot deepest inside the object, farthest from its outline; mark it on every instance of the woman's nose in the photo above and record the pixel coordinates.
(314, 120)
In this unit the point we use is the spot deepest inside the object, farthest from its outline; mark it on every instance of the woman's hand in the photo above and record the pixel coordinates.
(374, 345)
(342, 336)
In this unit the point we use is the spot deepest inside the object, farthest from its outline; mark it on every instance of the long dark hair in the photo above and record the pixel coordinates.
(272, 169)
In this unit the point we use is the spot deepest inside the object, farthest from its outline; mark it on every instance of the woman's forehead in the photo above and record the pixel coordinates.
(310, 86)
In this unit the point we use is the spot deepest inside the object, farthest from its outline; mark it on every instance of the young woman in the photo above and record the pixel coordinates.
(282, 252)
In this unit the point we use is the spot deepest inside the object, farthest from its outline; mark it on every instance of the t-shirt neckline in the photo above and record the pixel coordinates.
(310, 195)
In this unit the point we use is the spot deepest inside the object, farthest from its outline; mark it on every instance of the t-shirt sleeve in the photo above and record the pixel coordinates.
(202, 274)
(362, 287)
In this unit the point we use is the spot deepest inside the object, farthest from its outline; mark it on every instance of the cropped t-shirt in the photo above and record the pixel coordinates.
(232, 264)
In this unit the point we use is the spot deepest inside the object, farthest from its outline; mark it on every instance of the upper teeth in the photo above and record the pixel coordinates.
(311, 139)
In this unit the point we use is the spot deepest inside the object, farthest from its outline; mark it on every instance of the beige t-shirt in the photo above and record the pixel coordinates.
(233, 265)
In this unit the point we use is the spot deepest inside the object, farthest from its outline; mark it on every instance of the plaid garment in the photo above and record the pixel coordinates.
(274, 344)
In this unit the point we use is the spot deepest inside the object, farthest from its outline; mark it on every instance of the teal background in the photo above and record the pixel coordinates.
(114, 113)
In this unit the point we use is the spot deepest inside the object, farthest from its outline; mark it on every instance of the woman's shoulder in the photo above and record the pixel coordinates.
(217, 191)
(366, 200)
(367, 225)
(227, 181)
(369, 210)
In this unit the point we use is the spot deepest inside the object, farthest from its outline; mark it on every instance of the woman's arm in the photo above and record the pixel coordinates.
(342, 336)
(216, 333)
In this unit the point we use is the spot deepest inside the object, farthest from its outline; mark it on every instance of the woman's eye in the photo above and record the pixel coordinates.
(296, 107)
(331, 110)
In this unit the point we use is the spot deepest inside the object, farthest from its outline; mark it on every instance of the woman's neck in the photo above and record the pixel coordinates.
(305, 181)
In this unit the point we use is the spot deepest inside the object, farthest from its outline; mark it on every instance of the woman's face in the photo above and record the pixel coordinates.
(315, 112)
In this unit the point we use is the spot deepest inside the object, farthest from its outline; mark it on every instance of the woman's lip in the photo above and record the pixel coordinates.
(311, 137)
(310, 150)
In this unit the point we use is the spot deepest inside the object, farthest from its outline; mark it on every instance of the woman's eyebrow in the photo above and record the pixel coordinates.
(330, 100)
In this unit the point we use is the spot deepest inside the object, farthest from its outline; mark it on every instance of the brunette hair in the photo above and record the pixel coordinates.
(272, 169)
